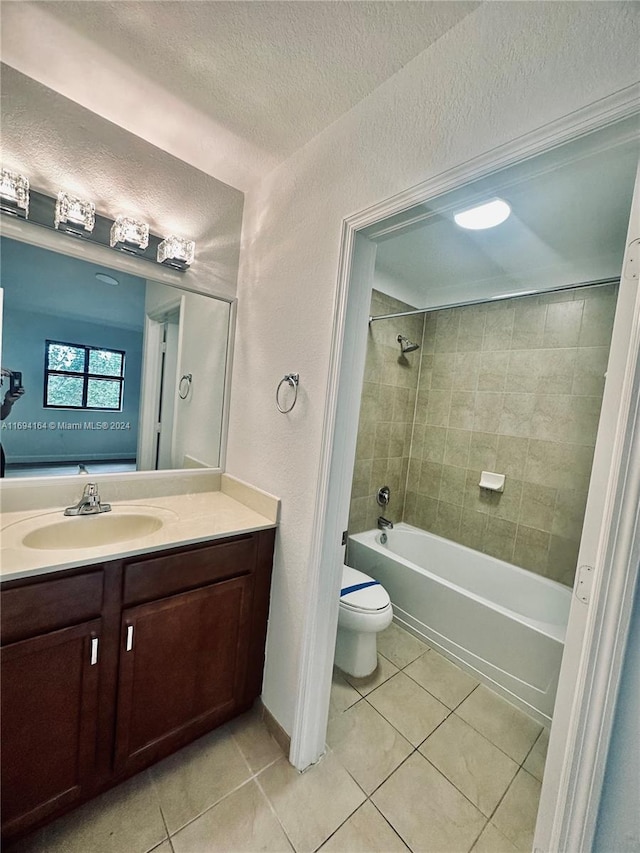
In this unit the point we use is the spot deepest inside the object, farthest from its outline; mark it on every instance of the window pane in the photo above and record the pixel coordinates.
(65, 357)
(64, 391)
(103, 394)
(105, 362)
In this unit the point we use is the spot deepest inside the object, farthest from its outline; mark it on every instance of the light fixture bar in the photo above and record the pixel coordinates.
(176, 252)
(43, 212)
(74, 215)
(14, 194)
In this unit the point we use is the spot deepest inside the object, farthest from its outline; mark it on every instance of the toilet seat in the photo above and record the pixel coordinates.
(361, 593)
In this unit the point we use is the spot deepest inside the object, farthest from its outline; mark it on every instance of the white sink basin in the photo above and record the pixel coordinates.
(54, 532)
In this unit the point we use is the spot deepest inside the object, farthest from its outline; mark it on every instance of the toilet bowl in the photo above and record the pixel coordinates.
(365, 609)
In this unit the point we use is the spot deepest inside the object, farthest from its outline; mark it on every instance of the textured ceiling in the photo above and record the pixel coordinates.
(269, 75)
(62, 146)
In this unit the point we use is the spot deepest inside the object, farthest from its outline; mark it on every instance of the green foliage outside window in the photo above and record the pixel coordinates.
(83, 377)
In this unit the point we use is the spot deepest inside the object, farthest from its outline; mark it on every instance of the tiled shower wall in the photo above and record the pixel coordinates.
(386, 414)
(513, 387)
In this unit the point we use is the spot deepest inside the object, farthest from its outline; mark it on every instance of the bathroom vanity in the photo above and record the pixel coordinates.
(109, 665)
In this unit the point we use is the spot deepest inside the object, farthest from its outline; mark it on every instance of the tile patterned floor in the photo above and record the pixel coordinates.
(420, 757)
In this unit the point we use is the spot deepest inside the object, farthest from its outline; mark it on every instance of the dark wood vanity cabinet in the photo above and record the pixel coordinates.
(175, 648)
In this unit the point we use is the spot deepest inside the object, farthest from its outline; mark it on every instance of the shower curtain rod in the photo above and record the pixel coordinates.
(597, 283)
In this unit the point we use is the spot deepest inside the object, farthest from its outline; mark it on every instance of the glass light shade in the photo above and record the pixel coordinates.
(176, 252)
(129, 234)
(485, 215)
(14, 193)
(74, 214)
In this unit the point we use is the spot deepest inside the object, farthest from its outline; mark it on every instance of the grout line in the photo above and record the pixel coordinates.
(274, 812)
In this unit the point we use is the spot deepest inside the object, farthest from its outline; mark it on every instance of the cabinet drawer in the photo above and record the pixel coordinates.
(46, 606)
(158, 577)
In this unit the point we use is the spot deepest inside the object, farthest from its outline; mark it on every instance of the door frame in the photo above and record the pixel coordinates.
(346, 369)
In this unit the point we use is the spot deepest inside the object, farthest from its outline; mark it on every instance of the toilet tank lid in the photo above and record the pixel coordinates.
(361, 591)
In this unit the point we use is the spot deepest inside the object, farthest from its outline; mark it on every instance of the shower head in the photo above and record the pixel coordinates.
(406, 345)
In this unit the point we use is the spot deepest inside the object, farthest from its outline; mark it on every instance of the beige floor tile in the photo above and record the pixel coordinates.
(125, 818)
(409, 708)
(507, 727)
(254, 741)
(446, 681)
(367, 745)
(516, 815)
(313, 804)
(197, 776)
(366, 831)
(428, 813)
(243, 823)
(493, 841)
(398, 646)
(343, 695)
(165, 847)
(536, 759)
(382, 673)
(475, 766)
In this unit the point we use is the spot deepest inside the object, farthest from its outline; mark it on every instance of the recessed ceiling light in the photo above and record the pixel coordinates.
(107, 279)
(485, 215)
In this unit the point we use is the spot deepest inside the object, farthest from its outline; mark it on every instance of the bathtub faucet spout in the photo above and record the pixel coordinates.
(384, 523)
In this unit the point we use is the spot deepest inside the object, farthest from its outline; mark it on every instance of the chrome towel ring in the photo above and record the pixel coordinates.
(292, 379)
(184, 386)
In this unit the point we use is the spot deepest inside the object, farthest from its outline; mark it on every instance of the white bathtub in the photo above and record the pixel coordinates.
(503, 623)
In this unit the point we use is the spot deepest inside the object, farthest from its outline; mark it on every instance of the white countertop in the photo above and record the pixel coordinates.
(187, 519)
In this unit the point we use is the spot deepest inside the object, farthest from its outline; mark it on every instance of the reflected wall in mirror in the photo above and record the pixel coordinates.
(70, 416)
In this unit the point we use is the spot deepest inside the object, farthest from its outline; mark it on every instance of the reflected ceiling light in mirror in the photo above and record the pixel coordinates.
(176, 252)
(14, 194)
(129, 235)
(74, 215)
(486, 215)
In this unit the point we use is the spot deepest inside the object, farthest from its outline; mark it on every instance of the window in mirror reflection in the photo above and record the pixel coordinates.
(78, 376)
(138, 421)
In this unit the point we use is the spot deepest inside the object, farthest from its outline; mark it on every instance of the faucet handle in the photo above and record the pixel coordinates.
(90, 490)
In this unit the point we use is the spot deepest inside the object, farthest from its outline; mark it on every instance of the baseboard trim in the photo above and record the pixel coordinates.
(275, 729)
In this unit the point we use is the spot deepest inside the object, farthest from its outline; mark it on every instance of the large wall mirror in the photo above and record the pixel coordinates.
(120, 372)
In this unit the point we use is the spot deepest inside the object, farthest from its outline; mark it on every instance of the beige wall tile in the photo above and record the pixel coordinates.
(589, 373)
(456, 449)
(532, 549)
(597, 318)
(513, 387)
(483, 451)
(493, 371)
(452, 485)
(538, 506)
(562, 324)
(499, 538)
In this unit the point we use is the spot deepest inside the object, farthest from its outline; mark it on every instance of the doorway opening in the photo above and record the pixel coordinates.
(360, 238)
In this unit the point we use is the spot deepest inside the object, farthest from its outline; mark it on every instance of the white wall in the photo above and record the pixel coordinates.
(503, 71)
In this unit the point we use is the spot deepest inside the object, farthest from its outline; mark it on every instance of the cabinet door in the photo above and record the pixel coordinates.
(49, 712)
(182, 669)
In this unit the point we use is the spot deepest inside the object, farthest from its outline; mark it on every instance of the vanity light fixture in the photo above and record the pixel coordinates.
(486, 215)
(74, 215)
(14, 194)
(129, 235)
(176, 252)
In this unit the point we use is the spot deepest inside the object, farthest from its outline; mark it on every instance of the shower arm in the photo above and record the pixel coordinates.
(598, 283)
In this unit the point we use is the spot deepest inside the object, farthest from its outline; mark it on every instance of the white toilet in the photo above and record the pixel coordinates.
(365, 609)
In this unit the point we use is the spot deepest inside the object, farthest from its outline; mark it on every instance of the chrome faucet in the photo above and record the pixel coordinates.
(384, 523)
(89, 503)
